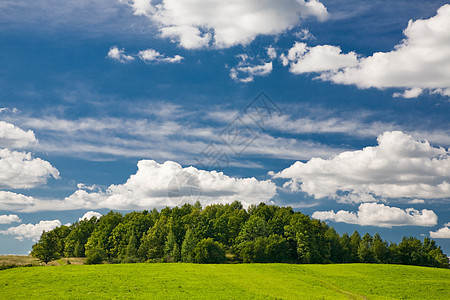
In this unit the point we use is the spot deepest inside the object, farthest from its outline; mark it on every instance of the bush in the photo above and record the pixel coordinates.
(95, 255)
(209, 252)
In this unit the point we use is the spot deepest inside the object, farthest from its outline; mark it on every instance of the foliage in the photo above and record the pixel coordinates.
(262, 233)
(95, 255)
(208, 251)
(46, 249)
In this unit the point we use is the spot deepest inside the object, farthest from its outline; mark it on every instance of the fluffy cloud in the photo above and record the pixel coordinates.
(443, 233)
(31, 231)
(398, 167)
(421, 61)
(20, 170)
(119, 55)
(89, 215)
(304, 59)
(13, 137)
(150, 55)
(380, 215)
(169, 184)
(8, 219)
(202, 23)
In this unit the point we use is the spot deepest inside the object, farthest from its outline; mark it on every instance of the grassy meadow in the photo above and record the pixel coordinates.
(226, 281)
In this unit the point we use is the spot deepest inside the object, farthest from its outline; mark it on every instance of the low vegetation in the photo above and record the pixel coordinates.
(226, 233)
(226, 281)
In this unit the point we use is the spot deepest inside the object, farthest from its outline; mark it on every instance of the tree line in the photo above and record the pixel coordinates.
(226, 233)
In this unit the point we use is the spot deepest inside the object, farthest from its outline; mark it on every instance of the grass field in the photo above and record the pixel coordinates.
(250, 281)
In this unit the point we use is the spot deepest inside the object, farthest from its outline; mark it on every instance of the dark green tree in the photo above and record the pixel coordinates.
(207, 251)
(46, 249)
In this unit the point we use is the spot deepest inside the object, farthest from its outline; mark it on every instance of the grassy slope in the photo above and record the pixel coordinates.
(21, 260)
(176, 281)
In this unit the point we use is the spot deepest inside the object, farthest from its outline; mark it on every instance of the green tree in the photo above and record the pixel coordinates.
(207, 251)
(379, 249)
(95, 255)
(355, 240)
(100, 237)
(365, 254)
(78, 237)
(188, 247)
(153, 242)
(46, 249)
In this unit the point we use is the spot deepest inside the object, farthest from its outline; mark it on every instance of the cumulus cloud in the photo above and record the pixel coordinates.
(13, 137)
(443, 233)
(398, 167)
(150, 55)
(119, 55)
(89, 215)
(222, 24)
(169, 184)
(19, 170)
(304, 59)
(380, 215)
(31, 231)
(421, 61)
(8, 219)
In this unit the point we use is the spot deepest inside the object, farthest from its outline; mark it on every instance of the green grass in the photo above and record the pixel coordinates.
(228, 281)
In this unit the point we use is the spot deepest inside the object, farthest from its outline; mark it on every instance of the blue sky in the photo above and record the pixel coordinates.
(113, 104)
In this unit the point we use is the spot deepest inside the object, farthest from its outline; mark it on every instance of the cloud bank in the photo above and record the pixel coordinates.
(31, 231)
(169, 184)
(380, 215)
(398, 167)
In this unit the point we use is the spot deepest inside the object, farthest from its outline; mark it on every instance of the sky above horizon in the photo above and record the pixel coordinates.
(339, 109)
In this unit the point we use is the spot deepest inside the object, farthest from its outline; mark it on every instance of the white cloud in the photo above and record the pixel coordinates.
(304, 59)
(222, 24)
(247, 73)
(380, 215)
(421, 61)
(89, 215)
(159, 185)
(119, 55)
(13, 201)
(443, 233)
(411, 93)
(305, 35)
(13, 137)
(447, 224)
(416, 201)
(8, 219)
(150, 55)
(272, 52)
(20, 170)
(31, 231)
(399, 167)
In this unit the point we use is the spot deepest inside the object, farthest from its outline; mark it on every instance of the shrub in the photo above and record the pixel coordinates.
(95, 255)
(209, 252)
